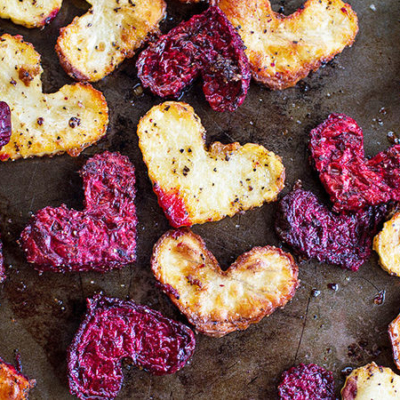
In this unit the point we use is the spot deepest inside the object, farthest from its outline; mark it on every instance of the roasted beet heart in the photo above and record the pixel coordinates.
(5, 123)
(315, 232)
(352, 181)
(206, 45)
(114, 329)
(102, 236)
(307, 382)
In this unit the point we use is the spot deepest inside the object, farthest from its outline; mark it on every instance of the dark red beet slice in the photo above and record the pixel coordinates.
(352, 181)
(315, 232)
(307, 382)
(206, 45)
(5, 124)
(102, 236)
(114, 329)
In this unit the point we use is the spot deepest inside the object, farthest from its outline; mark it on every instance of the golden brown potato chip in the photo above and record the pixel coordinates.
(218, 302)
(284, 49)
(93, 45)
(387, 245)
(371, 383)
(195, 184)
(69, 120)
(29, 13)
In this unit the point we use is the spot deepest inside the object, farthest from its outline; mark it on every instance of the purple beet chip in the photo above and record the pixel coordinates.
(114, 330)
(5, 124)
(307, 382)
(206, 45)
(313, 231)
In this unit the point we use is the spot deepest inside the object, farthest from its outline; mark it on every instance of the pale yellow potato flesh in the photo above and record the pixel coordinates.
(218, 302)
(387, 245)
(29, 13)
(371, 383)
(284, 49)
(93, 45)
(69, 120)
(210, 183)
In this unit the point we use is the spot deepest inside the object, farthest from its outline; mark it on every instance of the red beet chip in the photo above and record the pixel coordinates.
(206, 45)
(5, 124)
(352, 181)
(307, 382)
(102, 236)
(113, 330)
(315, 232)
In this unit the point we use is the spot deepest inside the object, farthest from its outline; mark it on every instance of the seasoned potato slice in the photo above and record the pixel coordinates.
(69, 120)
(371, 383)
(282, 50)
(93, 45)
(29, 13)
(218, 302)
(394, 334)
(13, 385)
(195, 184)
(387, 245)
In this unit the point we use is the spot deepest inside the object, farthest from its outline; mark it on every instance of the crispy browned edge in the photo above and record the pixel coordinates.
(220, 328)
(291, 80)
(394, 335)
(74, 73)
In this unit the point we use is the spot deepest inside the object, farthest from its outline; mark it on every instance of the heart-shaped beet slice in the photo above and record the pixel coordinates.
(218, 302)
(113, 330)
(307, 382)
(206, 45)
(315, 232)
(352, 181)
(5, 123)
(99, 238)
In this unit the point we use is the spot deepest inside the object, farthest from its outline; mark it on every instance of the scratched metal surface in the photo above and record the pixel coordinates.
(39, 314)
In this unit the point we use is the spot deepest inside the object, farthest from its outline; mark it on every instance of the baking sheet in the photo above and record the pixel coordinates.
(337, 329)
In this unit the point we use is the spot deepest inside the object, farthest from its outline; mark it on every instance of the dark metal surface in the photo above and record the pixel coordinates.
(39, 314)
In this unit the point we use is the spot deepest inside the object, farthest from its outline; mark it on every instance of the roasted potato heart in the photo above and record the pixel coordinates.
(195, 184)
(371, 383)
(93, 45)
(69, 120)
(282, 50)
(31, 14)
(387, 245)
(218, 302)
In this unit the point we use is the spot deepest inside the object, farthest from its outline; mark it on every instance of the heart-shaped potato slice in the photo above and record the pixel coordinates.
(371, 383)
(282, 50)
(195, 184)
(69, 120)
(218, 302)
(30, 13)
(93, 45)
(387, 245)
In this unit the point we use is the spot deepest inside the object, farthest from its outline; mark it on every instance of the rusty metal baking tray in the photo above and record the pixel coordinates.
(337, 329)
